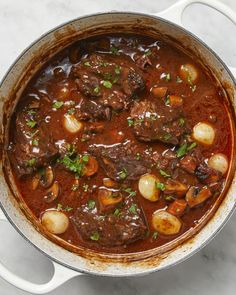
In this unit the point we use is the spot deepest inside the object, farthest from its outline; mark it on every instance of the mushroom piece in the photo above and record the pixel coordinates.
(52, 192)
(195, 197)
(204, 133)
(47, 177)
(91, 166)
(219, 162)
(166, 223)
(108, 182)
(147, 187)
(71, 124)
(159, 92)
(108, 199)
(56, 222)
(175, 187)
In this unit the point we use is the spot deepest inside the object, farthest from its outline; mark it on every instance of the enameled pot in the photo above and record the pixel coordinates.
(70, 264)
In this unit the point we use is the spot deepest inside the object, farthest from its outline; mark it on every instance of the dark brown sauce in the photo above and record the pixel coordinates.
(207, 100)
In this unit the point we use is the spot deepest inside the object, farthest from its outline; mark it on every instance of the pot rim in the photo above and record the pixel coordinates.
(154, 268)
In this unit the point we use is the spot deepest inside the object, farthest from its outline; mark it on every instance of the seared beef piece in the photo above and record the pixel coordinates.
(113, 83)
(207, 175)
(112, 229)
(91, 109)
(120, 161)
(27, 156)
(156, 121)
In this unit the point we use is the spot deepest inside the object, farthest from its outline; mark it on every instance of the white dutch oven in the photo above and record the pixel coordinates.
(69, 264)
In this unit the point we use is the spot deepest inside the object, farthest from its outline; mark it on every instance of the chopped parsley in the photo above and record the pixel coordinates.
(57, 104)
(31, 123)
(35, 142)
(87, 64)
(74, 187)
(114, 50)
(167, 101)
(167, 136)
(167, 77)
(178, 80)
(96, 89)
(163, 173)
(130, 122)
(31, 162)
(91, 204)
(155, 235)
(130, 192)
(148, 52)
(117, 69)
(31, 112)
(107, 84)
(85, 187)
(161, 186)
(71, 111)
(192, 146)
(181, 121)
(66, 208)
(116, 212)
(123, 173)
(74, 163)
(138, 156)
(182, 150)
(95, 236)
(169, 198)
(133, 209)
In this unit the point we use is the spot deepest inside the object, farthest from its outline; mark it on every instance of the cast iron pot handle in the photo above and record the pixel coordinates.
(60, 276)
(175, 13)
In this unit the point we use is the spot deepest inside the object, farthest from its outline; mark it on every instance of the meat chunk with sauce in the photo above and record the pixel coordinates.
(120, 161)
(33, 146)
(113, 83)
(124, 226)
(155, 121)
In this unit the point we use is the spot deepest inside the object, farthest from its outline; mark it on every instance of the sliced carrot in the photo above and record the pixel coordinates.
(159, 92)
(91, 167)
(178, 207)
(108, 200)
(175, 101)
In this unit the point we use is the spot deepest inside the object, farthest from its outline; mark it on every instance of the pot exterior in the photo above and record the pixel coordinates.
(10, 91)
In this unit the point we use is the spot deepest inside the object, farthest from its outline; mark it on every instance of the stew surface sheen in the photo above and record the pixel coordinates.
(120, 143)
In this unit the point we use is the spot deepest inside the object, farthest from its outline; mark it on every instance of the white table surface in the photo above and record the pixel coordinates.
(213, 269)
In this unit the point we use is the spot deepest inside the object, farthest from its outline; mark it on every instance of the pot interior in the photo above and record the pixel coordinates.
(12, 203)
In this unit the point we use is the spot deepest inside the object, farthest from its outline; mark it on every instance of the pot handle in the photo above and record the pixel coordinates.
(60, 276)
(175, 13)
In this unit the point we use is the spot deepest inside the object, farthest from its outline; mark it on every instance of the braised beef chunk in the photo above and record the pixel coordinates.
(154, 121)
(124, 226)
(91, 109)
(207, 175)
(120, 161)
(111, 82)
(33, 146)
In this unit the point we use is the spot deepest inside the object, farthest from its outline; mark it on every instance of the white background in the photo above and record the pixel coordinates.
(212, 270)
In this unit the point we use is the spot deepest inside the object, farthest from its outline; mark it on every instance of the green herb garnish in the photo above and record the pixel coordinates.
(163, 173)
(95, 236)
(123, 173)
(117, 69)
(178, 79)
(91, 204)
(35, 142)
(85, 187)
(167, 136)
(87, 64)
(107, 84)
(148, 52)
(130, 122)
(161, 186)
(182, 150)
(96, 89)
(130, 192)
(71, 111)
(133, 209)
(138, 156)
(116, 212)
(192, 146)
(168, 77)
(74, 187)
(57, 104)
(31, 123)
(114, 50)
(31, 162)
(155, 235)
(181, 121)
